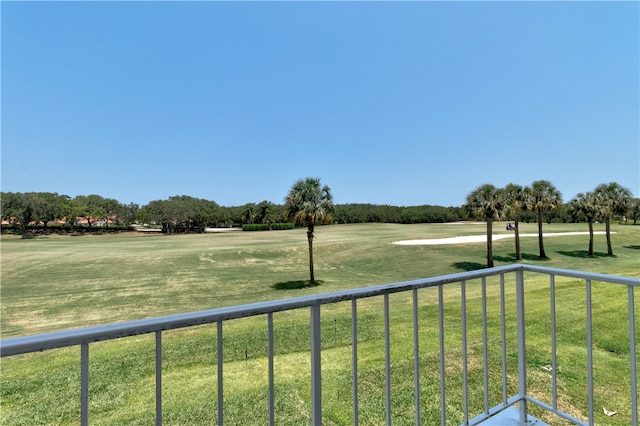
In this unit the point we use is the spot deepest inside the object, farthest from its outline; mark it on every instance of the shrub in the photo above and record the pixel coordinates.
(267, 226)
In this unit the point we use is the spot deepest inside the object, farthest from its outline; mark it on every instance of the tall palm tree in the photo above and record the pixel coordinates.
(587, 205)
(249, 213)
(309, 203)
(515, 198)
(543, 196)
(615, 200)
(485, 203)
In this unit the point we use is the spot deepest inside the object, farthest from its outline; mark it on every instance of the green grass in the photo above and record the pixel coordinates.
(63, 282)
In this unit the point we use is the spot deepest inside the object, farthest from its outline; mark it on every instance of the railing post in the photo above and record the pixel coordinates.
(416, 357)
(158, 378)
(485, 345)
(270, 354)
(443, 403)
(220, 356)
(465, 355)
(387, 361)
(84, 384)
(554, 360)
(316, 370)
(354, 358)
(522, 348)
(632, 354)
(589, 351)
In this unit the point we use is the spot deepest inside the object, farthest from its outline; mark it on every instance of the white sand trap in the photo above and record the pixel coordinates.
(482, 238)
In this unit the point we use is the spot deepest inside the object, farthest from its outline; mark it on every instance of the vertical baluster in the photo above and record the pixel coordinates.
(416, 357)
(503, 334)
(522, 347)
(387, 359)
(554, 362)
(270, 372)
(632, 356)
(158, 378)
(84, 384)
(485, 345)
(443, 404)
(220, 372)
(589, 352)
(354, 358)
(465, 381)
(316, 367)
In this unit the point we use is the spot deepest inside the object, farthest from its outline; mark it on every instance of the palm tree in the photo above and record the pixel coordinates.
(308, 203)
(249, 213)
(588, 205)
(543, 196)
(265, 213)
(515, 198)
(615, 200)
(485, 203)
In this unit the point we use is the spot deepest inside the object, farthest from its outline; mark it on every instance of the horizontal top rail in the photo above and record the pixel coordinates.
(593, 276)
(41, 342)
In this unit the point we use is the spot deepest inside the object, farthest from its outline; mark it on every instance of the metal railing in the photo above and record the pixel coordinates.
(520, 399)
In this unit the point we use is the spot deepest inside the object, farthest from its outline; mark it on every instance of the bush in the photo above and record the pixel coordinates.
(267, 226)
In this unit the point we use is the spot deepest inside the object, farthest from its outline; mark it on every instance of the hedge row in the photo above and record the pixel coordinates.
(267, 226)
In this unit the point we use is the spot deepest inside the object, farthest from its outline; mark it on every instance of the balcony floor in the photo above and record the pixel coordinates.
(510, 417)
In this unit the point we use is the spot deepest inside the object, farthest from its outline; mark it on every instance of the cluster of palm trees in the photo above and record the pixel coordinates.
(489, 203)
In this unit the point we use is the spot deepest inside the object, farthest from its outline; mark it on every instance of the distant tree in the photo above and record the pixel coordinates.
(589, 206)
(50, 207)
(309, 203)
(19, 208)
(266, 213)
(249, 213)
(515, 199)
(486, 203)
(163, 213)
(634, 210)
(128, 214)
(111, 209)
(182, 213)
(88, 207)
(614, 201)
(543, 196)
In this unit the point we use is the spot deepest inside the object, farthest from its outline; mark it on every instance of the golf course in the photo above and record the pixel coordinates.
(59, 282)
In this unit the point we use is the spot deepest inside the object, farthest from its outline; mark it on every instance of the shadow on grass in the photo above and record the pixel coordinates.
(633, 247)
(506, 259)
(584, 254)
(295, 285)
(525, 256)
(511, 257)
(468, 266)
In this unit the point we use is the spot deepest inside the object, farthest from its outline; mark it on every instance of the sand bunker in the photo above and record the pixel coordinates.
(482, 238)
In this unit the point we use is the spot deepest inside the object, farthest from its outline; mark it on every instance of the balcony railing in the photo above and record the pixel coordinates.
(512, 404)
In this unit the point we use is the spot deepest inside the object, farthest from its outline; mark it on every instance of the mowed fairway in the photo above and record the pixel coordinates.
(60, 282)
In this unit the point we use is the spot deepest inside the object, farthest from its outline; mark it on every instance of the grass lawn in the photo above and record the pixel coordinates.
(60, 282)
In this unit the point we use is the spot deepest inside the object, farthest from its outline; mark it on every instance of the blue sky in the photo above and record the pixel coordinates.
(401, 103)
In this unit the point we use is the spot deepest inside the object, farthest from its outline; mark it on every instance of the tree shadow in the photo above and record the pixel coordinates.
(633, 247)
(527, 256)
(295, 285)
(505, 259)
(511, 257)
(468, 266)
(583, 254)
(533, 257)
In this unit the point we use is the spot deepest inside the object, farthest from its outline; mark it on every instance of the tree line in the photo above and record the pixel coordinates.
(607, 202)
(182, 213)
